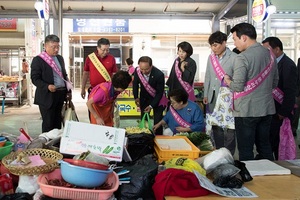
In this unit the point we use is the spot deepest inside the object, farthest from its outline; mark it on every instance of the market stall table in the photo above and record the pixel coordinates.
(283, 187)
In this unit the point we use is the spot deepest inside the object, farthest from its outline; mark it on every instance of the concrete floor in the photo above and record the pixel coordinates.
(28, 117)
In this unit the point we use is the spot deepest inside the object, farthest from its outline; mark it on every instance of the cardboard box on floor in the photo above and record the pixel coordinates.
(80, 137)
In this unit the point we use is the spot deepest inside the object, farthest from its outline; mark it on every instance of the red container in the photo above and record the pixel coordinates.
(87, 164)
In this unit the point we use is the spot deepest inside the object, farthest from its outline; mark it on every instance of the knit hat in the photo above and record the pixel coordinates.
(177, 182)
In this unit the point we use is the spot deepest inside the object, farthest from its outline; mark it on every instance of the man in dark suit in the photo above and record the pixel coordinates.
(146, 78)
(49, 75)
(287, 84)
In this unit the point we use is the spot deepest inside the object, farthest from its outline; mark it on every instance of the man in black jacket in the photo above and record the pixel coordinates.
(49, 75)
(142, 94)
(287, 84)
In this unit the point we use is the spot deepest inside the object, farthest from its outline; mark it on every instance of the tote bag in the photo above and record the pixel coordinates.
(287, 145)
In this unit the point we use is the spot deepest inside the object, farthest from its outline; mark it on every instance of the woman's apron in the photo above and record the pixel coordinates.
(105, 111)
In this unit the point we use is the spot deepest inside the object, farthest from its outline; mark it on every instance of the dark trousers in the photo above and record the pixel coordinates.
(52, 117)
(157, 116)
(250, 131)
(223, 137)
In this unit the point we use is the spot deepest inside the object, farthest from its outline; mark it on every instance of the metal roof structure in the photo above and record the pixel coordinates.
(177, 9)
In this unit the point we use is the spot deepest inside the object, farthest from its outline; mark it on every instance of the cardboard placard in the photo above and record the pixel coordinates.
(80, 137)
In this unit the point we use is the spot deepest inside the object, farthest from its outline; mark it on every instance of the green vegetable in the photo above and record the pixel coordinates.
(206, 145)
(196, 137)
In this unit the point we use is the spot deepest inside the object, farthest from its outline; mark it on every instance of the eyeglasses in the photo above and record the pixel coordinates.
(55, 47)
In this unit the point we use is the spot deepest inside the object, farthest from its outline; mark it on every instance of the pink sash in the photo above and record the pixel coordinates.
(278, 95)
(163, 101)
(179, 119)
(257, 81)
(53, 65)
(186, 86)
(220, 73)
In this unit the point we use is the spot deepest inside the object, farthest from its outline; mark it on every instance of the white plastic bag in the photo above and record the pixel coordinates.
(217, 157)
(27, 184)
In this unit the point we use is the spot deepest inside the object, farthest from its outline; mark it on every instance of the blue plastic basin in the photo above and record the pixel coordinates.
(82, 176)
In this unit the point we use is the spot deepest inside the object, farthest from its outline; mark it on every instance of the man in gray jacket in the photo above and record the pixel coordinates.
(217, 96)
(255, 75)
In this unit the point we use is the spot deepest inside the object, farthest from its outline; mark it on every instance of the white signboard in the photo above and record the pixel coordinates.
(105, 141)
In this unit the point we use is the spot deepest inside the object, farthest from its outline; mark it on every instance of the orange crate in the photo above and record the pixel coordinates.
(159, 158)
(167, 154)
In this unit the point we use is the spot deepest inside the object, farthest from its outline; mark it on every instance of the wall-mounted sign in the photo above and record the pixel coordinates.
(259, 10)
(100, 25)
(8, 24)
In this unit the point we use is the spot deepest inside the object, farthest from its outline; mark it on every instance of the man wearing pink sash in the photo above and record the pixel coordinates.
(255, 75)
(183, 115)
(183, 71)
(148, 89)
(49, 75)
(287, 86)
(217, 95)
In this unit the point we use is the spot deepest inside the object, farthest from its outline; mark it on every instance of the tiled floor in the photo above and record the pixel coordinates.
(28, 117)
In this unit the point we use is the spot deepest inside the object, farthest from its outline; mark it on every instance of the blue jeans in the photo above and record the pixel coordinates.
(250, 131)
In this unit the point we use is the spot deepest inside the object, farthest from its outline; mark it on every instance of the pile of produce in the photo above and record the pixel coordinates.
(136, 130)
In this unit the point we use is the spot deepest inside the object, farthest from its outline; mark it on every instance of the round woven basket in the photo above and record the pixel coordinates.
(49, 157)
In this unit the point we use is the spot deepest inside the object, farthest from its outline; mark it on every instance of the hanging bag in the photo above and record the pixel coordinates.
(287, 145)
(68, 112)
(141, 144)
(146, 124)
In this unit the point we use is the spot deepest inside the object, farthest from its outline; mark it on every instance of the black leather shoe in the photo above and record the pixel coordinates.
(244, 173)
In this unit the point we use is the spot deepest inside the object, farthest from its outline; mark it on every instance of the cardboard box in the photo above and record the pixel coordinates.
(105, 141)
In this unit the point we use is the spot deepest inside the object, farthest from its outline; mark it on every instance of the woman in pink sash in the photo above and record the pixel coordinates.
(102, 98)
(183, 116)
(183, 71)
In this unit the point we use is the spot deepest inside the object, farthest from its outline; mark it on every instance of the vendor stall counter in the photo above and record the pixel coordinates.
(10, 89)
(281, 187)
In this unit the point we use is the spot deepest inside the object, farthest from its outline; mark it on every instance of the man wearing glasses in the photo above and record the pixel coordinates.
(48, 74)
(99, 66)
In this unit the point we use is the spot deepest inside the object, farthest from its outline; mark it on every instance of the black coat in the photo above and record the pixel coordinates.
(41, 77)
(157, 81)
(288, 84)
(188, 75)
